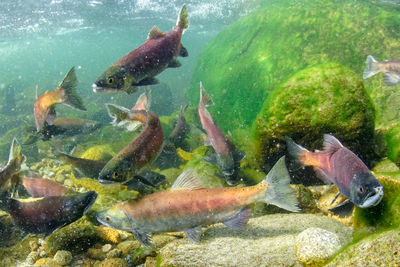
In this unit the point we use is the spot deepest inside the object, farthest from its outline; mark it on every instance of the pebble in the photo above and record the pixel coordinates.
(115, 253)
(128, 246)
(63, 257)
(315, 245)
(106, 248)
(113, 262)
(34, 245)
(32, 258)
(60, 179)
(68, 183)
(96, 254)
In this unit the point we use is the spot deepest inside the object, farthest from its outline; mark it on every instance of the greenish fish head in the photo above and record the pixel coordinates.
(115, 218)
(115, 79)
(77, 204)
(116, 171)
(226, 164)
(365, 190)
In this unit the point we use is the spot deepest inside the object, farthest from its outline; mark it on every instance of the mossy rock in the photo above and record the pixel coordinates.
(250, 58)
(392, 142)
(12, 255)
(328, 98)
(99, 152)
(380, 249)
(76, 237)
(387, 213)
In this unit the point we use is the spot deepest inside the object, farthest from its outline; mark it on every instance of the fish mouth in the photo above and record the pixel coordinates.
(107, 182)
(100, 220)
(103, 90)
(373, 198)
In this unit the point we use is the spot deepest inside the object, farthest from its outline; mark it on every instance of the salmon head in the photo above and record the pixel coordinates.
(117, 170)
(116, 218)
(365, 190)
(114, 80)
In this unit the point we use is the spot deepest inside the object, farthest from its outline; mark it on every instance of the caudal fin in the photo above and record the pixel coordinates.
(183, 22)
(371, 67)
(16, 154)
(279, 192)
(205, 98)
(69, 84)
(296, 151)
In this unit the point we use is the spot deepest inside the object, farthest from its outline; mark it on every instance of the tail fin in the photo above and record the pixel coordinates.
(295, 150)
(120, 116)
(117, 113)
(279, 191)
(144, 100)
(69, 84)
(371, 67)
(16, 154)
(205, 99)
(183, 22)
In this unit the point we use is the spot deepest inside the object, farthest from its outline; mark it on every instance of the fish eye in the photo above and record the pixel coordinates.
(110, 80)
(115, 174)
(108, 218)
(361, 189)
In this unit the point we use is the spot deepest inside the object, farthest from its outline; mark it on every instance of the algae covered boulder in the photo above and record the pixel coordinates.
(327, 98)
(381, 249)
(250, 58)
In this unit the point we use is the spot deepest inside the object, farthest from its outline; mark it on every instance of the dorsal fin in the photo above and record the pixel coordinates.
(154, 33)
(331, 144)
(188, 180)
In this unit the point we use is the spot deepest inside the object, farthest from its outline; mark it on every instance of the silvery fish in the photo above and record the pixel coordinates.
(389, 69)
(187, 206)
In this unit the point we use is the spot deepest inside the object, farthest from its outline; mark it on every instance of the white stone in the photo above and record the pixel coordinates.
(315, 245)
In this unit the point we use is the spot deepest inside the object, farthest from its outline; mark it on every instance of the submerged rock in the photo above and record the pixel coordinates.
(266, 47)
(314, 246)
(328, 98)
(381, 249)
(63, 257)
(266, 241)
(387, 213)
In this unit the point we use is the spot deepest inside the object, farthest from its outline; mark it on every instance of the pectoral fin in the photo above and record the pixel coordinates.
(344, 209)
(194, 234)
(143, 237)
(147, 81)
(391, 78)
(183, 52)
(174, 64)
(240, 219)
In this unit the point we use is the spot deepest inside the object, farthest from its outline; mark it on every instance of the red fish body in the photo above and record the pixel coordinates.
(188, 206)
(41, 187)
(138, 154)
(140, 66)
(337, 164)
(226, 156)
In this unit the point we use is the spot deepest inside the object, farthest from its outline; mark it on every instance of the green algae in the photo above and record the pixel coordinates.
(99, 152)
(387, 213)
(76, 237)
(260, 51)
(327, 98)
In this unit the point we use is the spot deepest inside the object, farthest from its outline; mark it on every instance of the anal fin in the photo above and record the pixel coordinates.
(183, 52)
(194, 234)
(240, 219)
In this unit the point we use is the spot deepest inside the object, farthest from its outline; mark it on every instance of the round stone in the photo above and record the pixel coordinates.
(63, 257)
(315, 245)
